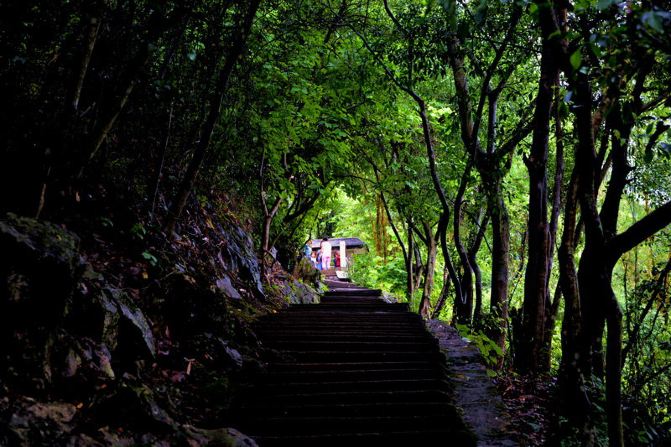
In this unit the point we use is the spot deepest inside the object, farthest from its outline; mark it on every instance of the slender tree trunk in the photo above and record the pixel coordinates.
(237, 47)
(118, 98)
(406, 260)
(500, 267)
(87, 52)
(529, 359)
(268, 217)
(419, 268)
(614, 371)
(409, 266)
(161, 160)
(477, 274)
(465, 307)
(553, 304)
(593, 274)
(431, 248)
(444, 292)
(442, 234)
(478, 233)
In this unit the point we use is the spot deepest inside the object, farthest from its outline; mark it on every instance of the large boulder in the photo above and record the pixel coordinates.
(39, 268)
(121, 313)
(221, 437)
(27, 422)
(141, 411)
(306, 271)
(111, 332)
(239, 257)
(297, 292)
(58, 317)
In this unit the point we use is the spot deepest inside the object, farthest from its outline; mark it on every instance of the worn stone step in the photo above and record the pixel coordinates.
(350, 409)
(371, 320)
(320, 376)
(317, 324)
(354, 292)
(352, 370)
(352, 345)
(272, 331)
(351, 336)
(388, 385)
(370, 438)
(351, 366)
(346, 313)
(358, 356)
(349, 307)
(351, 423)
(350, 397)
(351, 300)
(326, 327)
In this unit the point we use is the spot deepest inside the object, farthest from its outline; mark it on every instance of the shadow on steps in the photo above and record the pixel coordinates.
(353, 370)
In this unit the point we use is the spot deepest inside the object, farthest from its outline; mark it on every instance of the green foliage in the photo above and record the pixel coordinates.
(138, 231)
(153, 260)
(491, 352)
(370, 270)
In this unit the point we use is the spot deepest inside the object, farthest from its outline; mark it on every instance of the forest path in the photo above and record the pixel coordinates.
(352, 370)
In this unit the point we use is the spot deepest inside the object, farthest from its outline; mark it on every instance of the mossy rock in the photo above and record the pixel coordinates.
(39, 271)
(39, 267)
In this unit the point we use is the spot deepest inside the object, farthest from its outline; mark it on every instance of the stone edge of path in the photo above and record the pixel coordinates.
(474, 392)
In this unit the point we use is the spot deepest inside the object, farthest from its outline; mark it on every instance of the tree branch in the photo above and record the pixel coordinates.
(640, 231)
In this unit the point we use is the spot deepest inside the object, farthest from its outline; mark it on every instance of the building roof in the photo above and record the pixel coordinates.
(350, 242)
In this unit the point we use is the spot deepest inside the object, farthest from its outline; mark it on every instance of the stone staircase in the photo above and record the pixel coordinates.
(352, 370)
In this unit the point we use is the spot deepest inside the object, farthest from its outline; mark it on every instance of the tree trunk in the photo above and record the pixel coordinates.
(159, 164)
(444, 292)
(442, 234)
(477, 274)
(500, 267)
(529, 359)
(418, 268)
(237, 47)
(464, 309)
(74, 96)
(409, 266)
(614, 372)
(477, 236)
(553, 304)
(431, 248)
(115, 103)
(268, 217)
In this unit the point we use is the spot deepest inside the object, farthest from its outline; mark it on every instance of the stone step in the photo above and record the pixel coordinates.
(324, 326)
(349, 397)
(342, 424)
(353, 291)
(350, 409)
(351, 366)
(315, 318)
(342, 336)
(357, 320)
(359, 356)
(352, 345)
(351, 371)
(322, 376)
(269, 388)
(351, 301)
(370, 438)
(348, 308)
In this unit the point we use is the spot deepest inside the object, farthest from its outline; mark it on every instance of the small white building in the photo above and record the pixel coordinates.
(346, 247)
